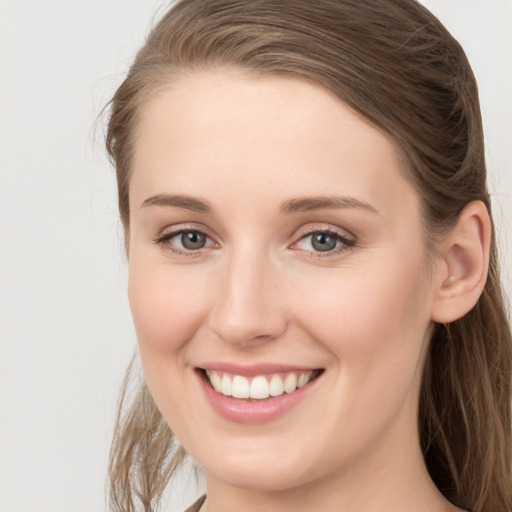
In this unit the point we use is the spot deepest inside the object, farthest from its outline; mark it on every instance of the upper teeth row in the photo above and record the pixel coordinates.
(259, 387)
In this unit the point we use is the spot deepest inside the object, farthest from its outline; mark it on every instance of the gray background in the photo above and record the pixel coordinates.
(65, 329)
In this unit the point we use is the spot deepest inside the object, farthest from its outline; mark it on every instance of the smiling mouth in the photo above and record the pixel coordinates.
(259, 387)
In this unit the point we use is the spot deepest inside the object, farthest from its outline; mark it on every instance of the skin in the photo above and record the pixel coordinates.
(259, 292)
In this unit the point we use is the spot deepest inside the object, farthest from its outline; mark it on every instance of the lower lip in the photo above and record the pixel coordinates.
(253, 411)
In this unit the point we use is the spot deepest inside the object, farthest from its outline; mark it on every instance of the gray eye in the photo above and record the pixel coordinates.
(193, 240)
(323, 242)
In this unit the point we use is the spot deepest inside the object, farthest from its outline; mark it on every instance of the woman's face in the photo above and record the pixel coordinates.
(276, 246)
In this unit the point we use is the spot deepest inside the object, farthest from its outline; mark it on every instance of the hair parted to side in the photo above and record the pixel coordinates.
(395, 63)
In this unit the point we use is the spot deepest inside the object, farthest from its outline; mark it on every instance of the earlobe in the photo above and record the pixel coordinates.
(463, 263)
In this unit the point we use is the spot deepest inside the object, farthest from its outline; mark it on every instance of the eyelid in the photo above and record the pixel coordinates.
(165, 235)
(184, 226)
(309, 229)
(348, 240)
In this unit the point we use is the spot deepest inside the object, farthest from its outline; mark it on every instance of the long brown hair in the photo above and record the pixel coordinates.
(395, 63)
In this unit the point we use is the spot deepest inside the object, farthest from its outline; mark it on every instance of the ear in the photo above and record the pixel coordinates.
(462, 264)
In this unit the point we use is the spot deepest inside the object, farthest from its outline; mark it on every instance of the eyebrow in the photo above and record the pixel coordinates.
(308, 204)
(193, 204)
(300, 204)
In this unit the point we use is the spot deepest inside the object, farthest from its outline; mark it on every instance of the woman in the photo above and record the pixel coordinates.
(312, 268)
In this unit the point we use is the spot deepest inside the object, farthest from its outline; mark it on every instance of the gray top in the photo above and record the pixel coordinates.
(197, 505)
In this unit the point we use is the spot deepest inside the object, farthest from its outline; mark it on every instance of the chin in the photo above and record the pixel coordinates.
(263, 479)
(258, 471)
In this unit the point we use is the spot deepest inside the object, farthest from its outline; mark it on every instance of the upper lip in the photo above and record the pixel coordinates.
(252, 370)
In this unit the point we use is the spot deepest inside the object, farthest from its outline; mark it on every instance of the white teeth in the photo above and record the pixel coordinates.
(225, 388)
(276, 386)
(215, 380)
(259, 387)
(303, 379)
(240, 387)
(290, 383)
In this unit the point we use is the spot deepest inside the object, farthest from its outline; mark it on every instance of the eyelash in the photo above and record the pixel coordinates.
(345, 243)
(164, 242)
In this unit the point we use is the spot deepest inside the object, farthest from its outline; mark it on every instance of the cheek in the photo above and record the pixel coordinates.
(167, 310)
(363, 314)
(167, 307)
(375, 325)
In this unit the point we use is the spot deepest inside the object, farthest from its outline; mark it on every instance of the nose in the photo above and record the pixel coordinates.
(248, 307)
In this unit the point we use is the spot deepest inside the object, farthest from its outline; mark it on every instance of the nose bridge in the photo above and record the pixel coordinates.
(247, 307)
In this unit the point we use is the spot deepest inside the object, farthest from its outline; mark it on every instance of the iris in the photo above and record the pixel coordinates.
(193, 240)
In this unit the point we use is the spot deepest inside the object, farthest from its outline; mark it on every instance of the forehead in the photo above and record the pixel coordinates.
(270, 136)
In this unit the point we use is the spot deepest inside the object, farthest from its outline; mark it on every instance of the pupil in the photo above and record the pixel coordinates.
(193, 240)
(323, 242)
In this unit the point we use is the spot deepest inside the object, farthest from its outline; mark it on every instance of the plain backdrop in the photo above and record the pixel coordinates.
(65, 328)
